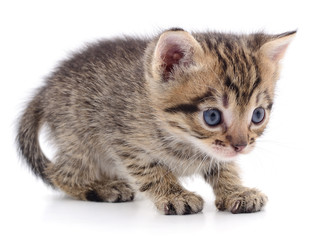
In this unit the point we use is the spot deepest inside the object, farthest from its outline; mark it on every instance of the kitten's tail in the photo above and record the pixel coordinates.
(28, 140)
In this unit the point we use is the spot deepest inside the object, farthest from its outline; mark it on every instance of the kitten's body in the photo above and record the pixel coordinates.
(126, 115)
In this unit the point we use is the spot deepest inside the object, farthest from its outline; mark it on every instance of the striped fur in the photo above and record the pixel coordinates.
(127, 115)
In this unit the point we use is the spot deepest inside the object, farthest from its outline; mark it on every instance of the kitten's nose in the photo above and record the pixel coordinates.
(239, 147)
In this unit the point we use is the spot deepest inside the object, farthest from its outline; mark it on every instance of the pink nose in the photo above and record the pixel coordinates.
(239, 147)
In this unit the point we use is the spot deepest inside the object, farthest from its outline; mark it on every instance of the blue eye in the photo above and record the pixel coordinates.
(212, 117)
(258, 115)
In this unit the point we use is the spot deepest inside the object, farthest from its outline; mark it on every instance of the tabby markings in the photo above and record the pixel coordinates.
(193, 106)
(184, 107)
(232, 86)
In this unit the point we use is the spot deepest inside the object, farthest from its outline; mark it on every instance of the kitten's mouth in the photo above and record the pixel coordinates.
(225, 153)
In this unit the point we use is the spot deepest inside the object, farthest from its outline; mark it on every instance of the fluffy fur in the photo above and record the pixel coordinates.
(127, 115)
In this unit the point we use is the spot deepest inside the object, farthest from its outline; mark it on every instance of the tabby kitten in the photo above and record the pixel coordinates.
(135, 114)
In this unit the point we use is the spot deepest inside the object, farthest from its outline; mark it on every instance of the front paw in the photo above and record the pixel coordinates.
(180, 203)
(245, 200)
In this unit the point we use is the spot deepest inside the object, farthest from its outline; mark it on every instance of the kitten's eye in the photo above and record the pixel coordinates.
(258, 115)
(212, 117)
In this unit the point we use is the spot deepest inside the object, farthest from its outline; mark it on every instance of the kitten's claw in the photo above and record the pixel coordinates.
(236, 207)
(180, 204)
(169, 209)
(244, 201)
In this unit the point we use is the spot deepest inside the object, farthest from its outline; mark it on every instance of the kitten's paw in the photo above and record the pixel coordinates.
(181, 203)
(114, 191)
(244, 201)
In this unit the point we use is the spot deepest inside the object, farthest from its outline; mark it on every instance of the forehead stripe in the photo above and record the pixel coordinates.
(231, 86)
(204, 97)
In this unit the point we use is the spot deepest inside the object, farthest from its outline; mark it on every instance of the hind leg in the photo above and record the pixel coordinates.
(82, 179)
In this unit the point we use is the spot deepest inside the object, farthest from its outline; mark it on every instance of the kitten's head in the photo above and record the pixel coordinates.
(215, 90)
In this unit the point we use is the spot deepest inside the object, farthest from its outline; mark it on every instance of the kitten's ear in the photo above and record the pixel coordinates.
(175, 49)
(275, 49)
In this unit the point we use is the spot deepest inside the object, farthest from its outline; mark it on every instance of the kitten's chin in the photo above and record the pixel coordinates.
(220, 154)
(223, 154)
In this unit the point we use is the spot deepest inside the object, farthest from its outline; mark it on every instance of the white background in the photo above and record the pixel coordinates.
(35, 35)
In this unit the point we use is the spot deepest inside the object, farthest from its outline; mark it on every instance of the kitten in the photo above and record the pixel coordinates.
(135, 114)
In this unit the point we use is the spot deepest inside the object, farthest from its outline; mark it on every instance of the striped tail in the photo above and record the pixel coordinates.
(28, 137)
